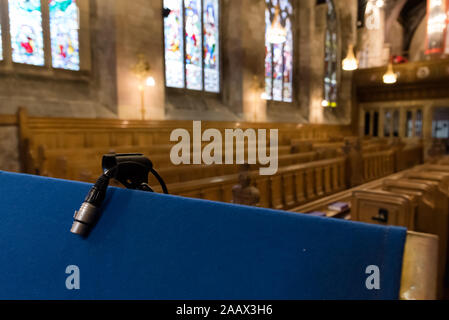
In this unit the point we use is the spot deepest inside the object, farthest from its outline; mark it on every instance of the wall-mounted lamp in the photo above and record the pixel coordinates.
(380, 3)
(151, 82)
(276, 33)
(350, 63)
(390, 77)
(142, 71)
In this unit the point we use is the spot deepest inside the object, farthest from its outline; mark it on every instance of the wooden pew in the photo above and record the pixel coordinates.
(85, 164)
(50, 161)
(432, 215)
(384, 208)
(72, 133)
(291, 185)
(420, 198)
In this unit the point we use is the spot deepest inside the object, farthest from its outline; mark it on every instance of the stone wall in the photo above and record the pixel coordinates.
(114, 33)
(117, 32)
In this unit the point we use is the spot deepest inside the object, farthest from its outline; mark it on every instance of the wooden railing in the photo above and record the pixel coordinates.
(377, 165)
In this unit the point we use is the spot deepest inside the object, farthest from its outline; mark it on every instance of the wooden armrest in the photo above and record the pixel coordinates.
(419, 269)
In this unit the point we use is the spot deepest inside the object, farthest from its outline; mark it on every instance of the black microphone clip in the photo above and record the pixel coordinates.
(131, 170)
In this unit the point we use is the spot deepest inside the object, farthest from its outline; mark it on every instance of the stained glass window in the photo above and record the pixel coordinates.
(211, 45)
(1, 44)
(191, 32)
(64, 26)
(27, 42)
(174, 44)
(279, 57)
(436, 25)
(330, 58)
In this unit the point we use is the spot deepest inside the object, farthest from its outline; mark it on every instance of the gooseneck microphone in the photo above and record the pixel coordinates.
(131, 170)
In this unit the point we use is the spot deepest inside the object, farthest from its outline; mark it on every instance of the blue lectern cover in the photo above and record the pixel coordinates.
(152, 246)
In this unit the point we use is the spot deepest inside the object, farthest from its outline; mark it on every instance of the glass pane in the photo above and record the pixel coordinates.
(418, 124)
(288, 63)
(376, 124)
(440, 129)
(211, 46)
(396, 123)
(278, 68)
(174, 44)
(26, 31)
(268, 58)
(387, 124)
(279, 57)
(436, 25)
(64, 26)
(330, 57)
(367, 123)
(409, 125)
(1, 44)
(193, 44)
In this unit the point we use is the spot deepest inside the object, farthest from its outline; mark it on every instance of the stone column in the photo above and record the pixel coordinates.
(243, 41)
(316, 65)
(139, 30)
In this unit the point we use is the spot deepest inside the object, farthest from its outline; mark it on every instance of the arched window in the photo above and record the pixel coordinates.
(192, 45)
(27, 38)
(330, 58)
(279, 57)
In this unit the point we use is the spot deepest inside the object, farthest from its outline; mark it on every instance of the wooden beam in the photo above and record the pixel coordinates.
(8, 120)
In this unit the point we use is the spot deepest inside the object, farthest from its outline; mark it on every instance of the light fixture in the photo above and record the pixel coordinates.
(350, 63)
(390, 77)
(325, 103)
(276, 33)
(264, 96)
(142, 70)
(151, 82)
(380, 3)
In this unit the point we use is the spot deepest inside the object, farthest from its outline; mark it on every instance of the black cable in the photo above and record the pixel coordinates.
(161, 181)
(86, 217)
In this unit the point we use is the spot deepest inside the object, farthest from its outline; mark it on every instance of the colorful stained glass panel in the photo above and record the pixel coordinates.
(278, 70)
(211, 46)
(279, 57)
(268, 59)
(330, 59)
(288, 64)
(193, 43)
(1, 44)
(64, 26)
(26, 32)
(174, 44)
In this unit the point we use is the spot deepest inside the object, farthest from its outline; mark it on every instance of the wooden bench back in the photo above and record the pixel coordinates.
(70, 133)
(384, 208)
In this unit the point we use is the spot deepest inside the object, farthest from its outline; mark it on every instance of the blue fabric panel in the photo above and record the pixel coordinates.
(152, 246)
